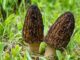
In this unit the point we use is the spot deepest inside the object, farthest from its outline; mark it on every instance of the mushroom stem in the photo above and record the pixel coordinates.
(50, 53)
(34, 47)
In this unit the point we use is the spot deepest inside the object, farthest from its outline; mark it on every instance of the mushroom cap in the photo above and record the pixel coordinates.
(60, 32)
(33, 25)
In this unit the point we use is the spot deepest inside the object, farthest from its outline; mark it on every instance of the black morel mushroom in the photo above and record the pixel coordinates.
(59, 34)
(33, 28)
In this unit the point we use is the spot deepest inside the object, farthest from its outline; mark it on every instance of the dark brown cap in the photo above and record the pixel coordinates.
(33, 25)
(60, 32)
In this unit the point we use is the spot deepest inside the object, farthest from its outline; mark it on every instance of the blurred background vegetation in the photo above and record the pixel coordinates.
(12, 15)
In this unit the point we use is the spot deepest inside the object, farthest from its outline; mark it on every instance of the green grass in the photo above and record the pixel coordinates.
(11, 27)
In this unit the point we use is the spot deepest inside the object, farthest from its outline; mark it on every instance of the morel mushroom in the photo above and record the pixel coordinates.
(33, 28)
(59, 34)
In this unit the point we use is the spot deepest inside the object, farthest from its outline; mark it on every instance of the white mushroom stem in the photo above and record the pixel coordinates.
(50, 53)
(34, 47)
